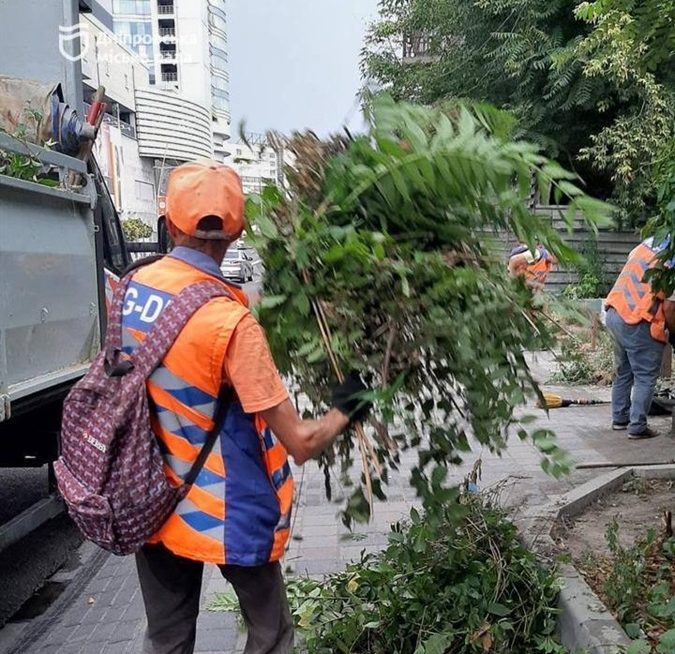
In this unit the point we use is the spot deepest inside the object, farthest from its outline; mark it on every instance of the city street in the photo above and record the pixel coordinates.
(458, 343)
(93, 606)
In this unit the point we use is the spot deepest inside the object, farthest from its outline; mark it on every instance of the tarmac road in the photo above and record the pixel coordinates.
(25, 565)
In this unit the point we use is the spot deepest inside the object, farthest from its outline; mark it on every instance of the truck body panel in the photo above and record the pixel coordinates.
(49, 312)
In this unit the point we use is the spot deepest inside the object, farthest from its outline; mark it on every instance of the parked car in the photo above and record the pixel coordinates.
(238, 265)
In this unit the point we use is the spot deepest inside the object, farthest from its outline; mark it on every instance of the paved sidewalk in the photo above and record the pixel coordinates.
(106, 617)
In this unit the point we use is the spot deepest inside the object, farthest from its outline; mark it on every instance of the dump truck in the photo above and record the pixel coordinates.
(61, 242)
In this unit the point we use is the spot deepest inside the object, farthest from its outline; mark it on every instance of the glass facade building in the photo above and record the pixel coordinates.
(133, 25)
(220, 77)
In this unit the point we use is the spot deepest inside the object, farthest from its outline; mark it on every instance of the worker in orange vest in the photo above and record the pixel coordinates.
(534, 266)
(237, 514)
(639, 320)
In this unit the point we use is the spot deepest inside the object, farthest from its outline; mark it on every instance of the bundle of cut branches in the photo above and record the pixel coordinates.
(383, 257)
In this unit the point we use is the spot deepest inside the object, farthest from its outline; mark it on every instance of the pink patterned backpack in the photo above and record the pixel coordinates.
(110, 471)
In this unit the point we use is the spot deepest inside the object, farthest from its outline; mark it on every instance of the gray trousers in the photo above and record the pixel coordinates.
(171, 588)
(637, 358)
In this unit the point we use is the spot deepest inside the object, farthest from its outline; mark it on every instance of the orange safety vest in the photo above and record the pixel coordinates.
(536, 271)
(539, 270)
(238, 510)
(633, 299)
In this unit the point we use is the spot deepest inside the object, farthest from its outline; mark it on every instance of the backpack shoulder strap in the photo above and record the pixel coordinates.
(170, 323)
(113, 336)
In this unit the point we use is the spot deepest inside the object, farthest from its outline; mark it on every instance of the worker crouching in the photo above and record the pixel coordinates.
(533, 265)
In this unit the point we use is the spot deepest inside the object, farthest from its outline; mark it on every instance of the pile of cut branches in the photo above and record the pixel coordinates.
(489, 593)
(381, 258)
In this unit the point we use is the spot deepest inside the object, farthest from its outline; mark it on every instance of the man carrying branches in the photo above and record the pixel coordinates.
(237, 513)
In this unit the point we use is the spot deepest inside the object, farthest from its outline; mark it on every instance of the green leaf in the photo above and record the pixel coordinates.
(639, 647)
(633, 629)
(498, 609)
(267, 227)
(272, 301)
(436, 644)
(667, 643)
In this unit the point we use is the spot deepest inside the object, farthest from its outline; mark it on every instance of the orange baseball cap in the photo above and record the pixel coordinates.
(205, 188)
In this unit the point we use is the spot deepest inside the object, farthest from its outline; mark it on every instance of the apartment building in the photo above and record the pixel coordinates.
(184, 43)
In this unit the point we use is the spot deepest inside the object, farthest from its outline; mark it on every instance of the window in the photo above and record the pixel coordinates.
(134, 7)
(221, 103)
(217, 93)
(219, 42)
(145, 191)
(219, 83)
(219, 62)
(126, 81)
(137, 35)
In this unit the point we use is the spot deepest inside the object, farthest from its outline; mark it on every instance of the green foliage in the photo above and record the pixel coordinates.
(459, 583)
(25, 166)
(630, 48)
(640, 588)
(518, 54)
(135, 229)
(591, 282)
(588, 286)
(391, 232)
(592, 81)
(662, 226)
(580, 365)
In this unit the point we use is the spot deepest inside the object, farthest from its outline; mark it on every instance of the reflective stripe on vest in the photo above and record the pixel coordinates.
(238, 510)
(632, 298)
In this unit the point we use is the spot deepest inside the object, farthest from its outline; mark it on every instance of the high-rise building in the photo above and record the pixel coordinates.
(146, 129)
(258, 163)
(184, 43)
(133, 24)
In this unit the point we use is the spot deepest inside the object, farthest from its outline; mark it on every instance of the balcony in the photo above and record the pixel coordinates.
(168, 55)
(169, 32)
(166, 10)
(169, 77)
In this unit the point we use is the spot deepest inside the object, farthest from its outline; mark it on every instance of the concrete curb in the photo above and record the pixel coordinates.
(585, 622)
(581, 497)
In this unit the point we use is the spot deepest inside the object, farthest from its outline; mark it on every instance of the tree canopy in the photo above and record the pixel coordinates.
(592, 82)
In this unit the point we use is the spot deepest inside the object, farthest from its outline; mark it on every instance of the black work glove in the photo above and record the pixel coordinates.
(344, 400)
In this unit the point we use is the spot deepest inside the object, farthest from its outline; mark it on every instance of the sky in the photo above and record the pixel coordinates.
(294, 64)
